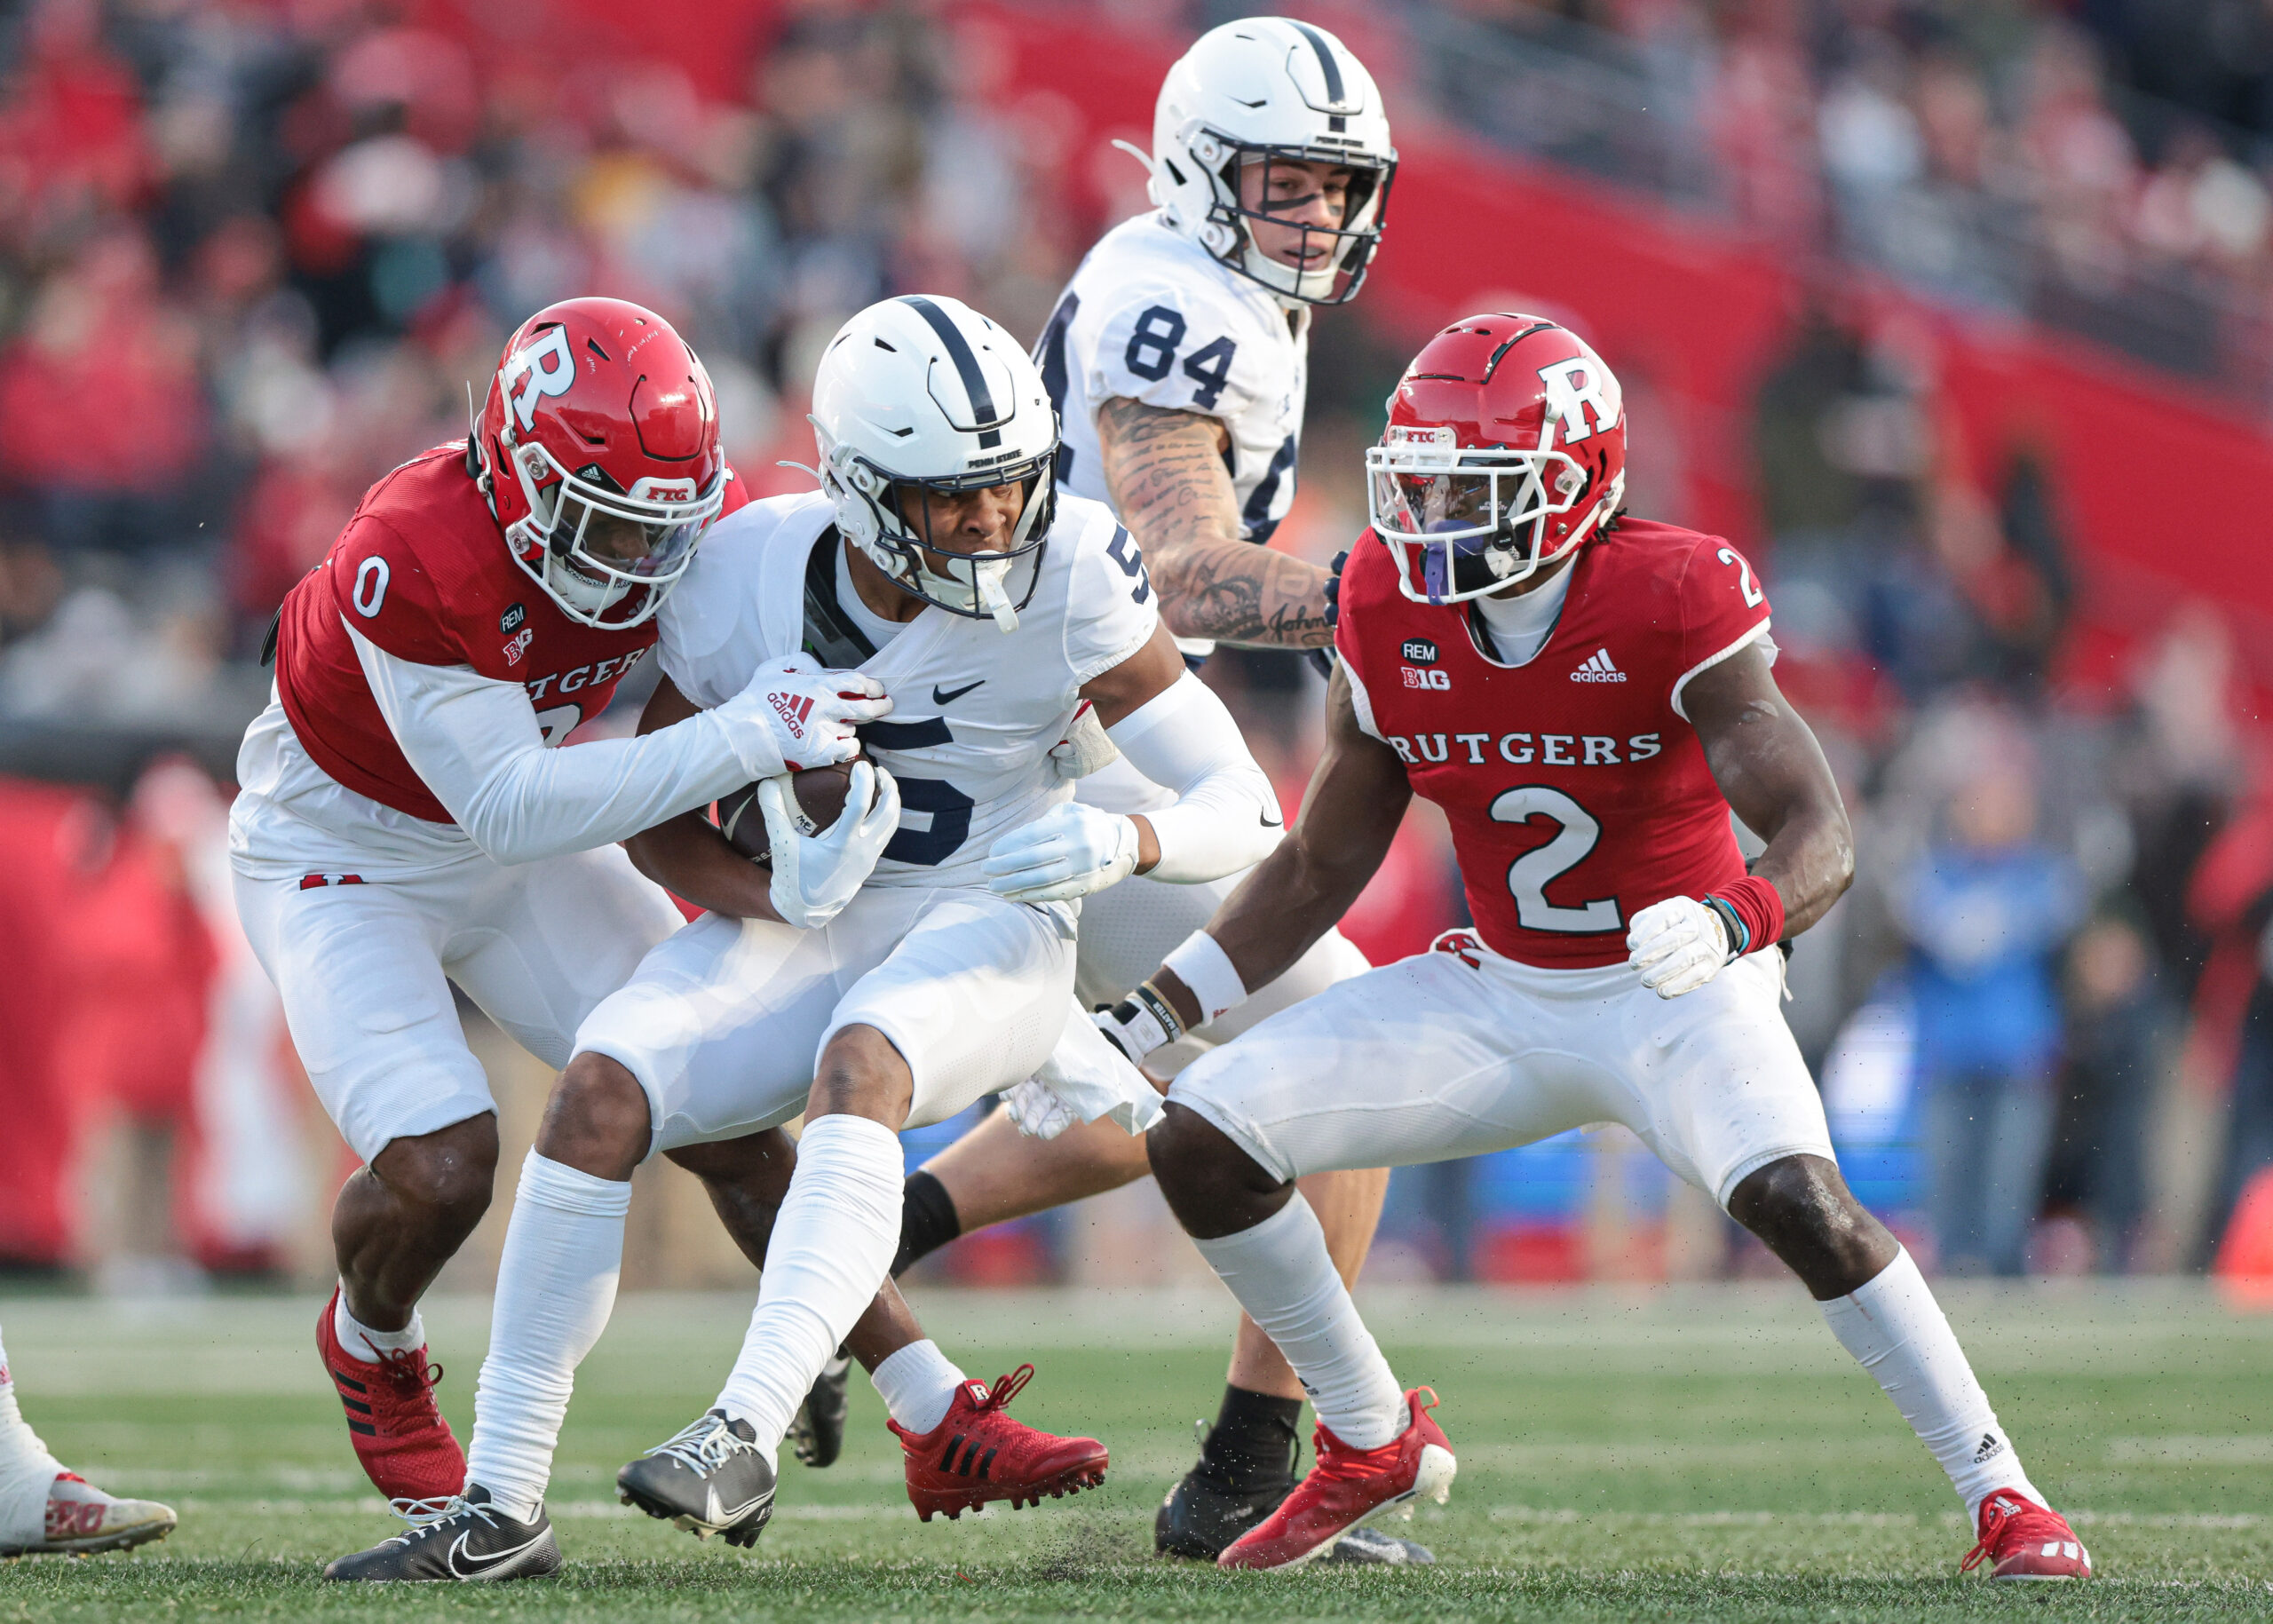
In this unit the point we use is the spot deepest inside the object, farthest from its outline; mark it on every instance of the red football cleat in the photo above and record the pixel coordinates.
(980, 1454)
(1347, 1486)
(2021, 1539)
(404, 1444)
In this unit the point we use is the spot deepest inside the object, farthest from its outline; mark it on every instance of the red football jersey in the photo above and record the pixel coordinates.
(423, 571)
(1576, 790)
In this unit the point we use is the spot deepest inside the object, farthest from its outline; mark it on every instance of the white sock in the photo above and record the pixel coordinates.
(26, 1471)
(556, 1284)
(359, 1341)
(918, 1385)
(833, 1244)
(1898, 1332)
(1284, 1276)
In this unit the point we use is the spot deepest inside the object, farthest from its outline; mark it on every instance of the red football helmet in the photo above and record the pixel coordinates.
(598, 448)
(1505, 447)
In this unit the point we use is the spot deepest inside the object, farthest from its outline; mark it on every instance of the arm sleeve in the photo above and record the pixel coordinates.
(1179, 348)
(1723, 608)
(1226, 816)
(474, 741)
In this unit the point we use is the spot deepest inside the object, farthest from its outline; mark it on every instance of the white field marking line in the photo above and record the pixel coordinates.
(2180, 1449)
(1565, 1516)
(566, 1510)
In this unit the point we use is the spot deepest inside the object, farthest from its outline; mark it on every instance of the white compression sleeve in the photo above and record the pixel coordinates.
(556, 1285)
(26, 1471)
(474, 741)
(1898, 1332)
(1226, 816)
(832, 1248)
(1285, 1278)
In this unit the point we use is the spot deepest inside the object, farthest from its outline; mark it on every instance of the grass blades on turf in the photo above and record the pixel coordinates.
(1692, 1454)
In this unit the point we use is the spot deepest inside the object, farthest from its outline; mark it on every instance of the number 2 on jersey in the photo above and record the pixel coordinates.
(1529, 875)
(1752, 596)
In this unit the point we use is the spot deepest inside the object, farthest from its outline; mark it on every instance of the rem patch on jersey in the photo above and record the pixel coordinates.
(512, 619)
(1420, 651)
(1417, 678)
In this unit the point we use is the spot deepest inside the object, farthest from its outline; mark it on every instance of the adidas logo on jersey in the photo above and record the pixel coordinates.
(1598, 668)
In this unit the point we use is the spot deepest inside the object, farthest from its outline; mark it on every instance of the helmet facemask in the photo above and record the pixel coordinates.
(883, 513)
(593, 546)
(1343, 252)
(1478, 514)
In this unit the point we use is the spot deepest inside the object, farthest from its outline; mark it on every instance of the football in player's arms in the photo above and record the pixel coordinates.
(1624, 965)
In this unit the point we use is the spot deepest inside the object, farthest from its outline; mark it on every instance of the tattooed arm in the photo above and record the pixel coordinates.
(1165, 471)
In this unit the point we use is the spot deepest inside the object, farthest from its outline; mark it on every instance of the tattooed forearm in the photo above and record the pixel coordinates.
(1165, 471)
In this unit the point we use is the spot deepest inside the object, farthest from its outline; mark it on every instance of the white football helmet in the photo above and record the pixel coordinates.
(923, 392)
(1261, 88)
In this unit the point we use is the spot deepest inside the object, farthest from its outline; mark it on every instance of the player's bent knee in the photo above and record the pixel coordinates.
(1801, 1207)
(448, 1173)
(598, 1121)
(1213, 1186)
(862, 1074)
(758, 1165)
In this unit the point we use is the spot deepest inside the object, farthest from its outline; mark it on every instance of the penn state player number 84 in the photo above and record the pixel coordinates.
(1528, 875)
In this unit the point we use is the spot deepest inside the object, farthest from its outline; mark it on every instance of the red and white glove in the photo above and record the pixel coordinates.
(796, 715)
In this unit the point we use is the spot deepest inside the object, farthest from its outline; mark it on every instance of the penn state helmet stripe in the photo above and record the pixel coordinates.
(959, 351)
(1326, 61)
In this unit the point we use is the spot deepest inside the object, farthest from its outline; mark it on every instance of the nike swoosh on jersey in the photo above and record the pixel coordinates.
(476, 1564)
(1271, 823)
(949, 696)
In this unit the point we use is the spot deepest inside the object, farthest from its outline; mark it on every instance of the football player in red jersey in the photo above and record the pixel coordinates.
(403, 825)
(1586, 696)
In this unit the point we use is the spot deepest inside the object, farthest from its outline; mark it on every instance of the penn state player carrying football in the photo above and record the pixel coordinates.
(404, 823)
(1624, 963)
(885, 972)
(1177, 359)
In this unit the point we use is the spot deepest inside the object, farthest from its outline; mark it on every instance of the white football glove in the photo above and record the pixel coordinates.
(1036, 1110)
(1070, 850)
(815, 875)
(796, 715)
(1085, 747)
(1678, 944)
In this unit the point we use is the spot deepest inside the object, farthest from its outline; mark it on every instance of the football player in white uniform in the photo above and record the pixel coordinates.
(888, 972)
(1177, 357)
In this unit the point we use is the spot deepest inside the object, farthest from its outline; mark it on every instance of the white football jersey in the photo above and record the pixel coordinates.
(975, 710)
(1150, 316)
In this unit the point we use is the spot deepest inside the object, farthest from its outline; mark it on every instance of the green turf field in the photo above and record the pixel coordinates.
(1682, 1455)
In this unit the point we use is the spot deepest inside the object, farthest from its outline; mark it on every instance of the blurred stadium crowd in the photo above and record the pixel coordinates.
(251, 252)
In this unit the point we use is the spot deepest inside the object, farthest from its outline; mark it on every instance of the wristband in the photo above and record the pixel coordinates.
(1202, 964)
(1756, 906)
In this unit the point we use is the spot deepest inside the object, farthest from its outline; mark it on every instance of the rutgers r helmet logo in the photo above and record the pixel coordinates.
(1579, 383)
(552, 368)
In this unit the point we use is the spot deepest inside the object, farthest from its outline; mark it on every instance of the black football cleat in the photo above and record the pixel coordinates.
(817, 1433)
(1207, 1510)
(710, 1477)
(463, 1539)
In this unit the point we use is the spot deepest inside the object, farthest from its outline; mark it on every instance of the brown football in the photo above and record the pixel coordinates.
(820, 794)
